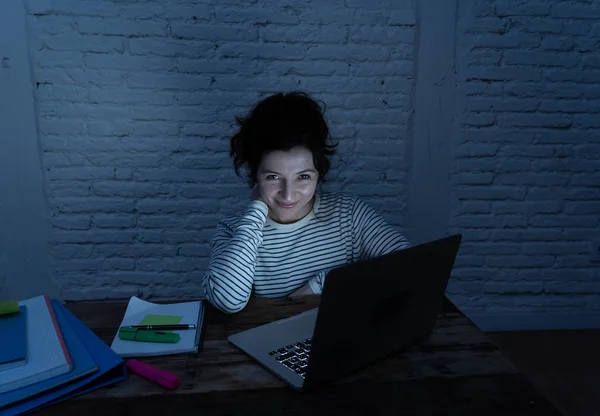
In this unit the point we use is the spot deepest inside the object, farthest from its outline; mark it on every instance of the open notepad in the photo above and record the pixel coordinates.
(143, 312)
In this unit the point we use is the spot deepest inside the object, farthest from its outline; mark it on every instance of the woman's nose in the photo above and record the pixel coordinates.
(287, 192)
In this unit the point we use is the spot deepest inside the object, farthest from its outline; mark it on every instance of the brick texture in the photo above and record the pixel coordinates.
(136, 103)
(527, 166)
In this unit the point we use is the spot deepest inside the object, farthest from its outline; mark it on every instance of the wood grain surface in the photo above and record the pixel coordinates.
(458, 371)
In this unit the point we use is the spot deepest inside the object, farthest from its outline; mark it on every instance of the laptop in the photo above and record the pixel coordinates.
(368, 311)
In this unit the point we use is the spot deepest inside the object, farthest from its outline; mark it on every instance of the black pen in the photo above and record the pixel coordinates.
(163, 327)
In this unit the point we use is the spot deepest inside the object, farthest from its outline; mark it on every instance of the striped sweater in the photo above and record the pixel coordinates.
(252, 254)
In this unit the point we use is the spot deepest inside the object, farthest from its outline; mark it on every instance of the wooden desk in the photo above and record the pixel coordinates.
(458, 371)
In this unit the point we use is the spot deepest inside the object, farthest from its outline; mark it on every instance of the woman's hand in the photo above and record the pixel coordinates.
(304, 290)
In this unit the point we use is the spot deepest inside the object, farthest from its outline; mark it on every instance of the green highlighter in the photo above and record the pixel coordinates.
(135, 334)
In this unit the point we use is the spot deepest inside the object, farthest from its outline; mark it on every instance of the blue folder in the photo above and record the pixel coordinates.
(110, 367)
(13, 337)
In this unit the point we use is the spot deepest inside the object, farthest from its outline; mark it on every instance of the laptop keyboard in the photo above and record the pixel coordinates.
(294, 356)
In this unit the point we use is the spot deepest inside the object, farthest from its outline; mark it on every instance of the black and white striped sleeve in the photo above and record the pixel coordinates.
(372, 235)
(230, 276)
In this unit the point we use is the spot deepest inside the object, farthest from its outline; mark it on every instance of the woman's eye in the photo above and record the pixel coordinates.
(304, 176)
(271, 177)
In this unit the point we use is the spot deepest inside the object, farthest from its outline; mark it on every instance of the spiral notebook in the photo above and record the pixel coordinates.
(143, 312)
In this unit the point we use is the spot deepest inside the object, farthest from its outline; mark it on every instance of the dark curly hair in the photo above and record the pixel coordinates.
(280, 122)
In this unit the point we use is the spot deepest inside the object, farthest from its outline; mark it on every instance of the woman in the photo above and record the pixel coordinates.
(289, 235)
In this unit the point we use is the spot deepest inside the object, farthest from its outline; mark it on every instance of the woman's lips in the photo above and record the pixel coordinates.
(287, 206)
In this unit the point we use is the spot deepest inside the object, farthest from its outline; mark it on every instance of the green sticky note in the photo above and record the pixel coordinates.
(9, 307)
(152, 319)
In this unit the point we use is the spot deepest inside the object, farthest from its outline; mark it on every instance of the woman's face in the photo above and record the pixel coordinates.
(287, 181)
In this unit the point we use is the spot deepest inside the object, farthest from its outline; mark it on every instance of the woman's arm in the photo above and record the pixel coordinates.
(372, 236)
(230, 276)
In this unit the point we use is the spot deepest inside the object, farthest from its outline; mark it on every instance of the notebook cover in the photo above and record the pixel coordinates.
(13, 333)
(83, 364)
(47, 355)
(111, 369)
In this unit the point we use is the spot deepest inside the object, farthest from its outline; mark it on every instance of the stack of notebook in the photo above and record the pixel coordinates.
(47, 355)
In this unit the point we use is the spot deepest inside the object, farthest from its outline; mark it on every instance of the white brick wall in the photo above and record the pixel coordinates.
(135, 106)
(526, 182)
(136, 100)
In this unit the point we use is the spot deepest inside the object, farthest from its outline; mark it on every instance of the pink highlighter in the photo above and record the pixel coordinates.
(161, 377)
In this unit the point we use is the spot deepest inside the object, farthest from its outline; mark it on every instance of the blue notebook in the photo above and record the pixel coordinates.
(13, 333)
(110, 367)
